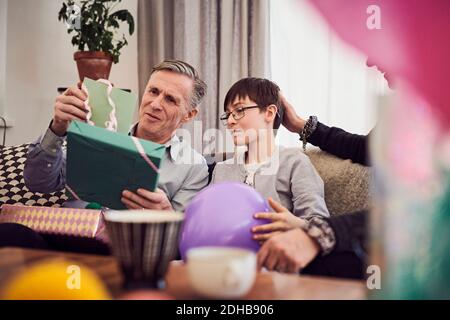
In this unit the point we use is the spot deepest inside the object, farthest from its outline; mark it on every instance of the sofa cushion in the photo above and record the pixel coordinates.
(346, 183)
(12, 184)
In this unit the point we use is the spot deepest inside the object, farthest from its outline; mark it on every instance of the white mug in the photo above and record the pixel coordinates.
(221, 272)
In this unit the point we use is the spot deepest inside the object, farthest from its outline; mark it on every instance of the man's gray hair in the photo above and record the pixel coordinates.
(185, 68)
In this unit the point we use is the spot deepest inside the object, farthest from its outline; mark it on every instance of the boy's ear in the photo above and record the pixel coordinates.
(190, 115)
(271, 112)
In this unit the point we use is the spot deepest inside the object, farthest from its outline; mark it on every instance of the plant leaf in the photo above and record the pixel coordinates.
(125, 15)
(62, 13)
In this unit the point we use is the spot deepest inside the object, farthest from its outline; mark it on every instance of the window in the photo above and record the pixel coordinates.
(318, 73)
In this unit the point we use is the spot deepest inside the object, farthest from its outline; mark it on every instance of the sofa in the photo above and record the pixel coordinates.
(346, 184)
(346, 190)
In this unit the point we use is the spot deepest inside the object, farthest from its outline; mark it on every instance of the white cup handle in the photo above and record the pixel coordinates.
(231, 278)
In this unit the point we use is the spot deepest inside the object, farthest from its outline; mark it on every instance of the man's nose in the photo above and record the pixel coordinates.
(156, 103)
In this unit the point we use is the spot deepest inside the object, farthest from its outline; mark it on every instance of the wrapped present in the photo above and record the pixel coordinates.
(101, 164)
(109, 107)
(83, 223)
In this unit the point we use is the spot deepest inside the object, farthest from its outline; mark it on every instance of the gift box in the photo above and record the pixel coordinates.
(108, 104)
(101, 164)
(82, 223)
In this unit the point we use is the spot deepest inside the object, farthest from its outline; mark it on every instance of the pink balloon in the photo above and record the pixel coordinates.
(413, 42)
(146, 295)
(222, 215)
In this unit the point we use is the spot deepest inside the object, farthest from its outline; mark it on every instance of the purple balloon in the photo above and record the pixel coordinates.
(222, 215)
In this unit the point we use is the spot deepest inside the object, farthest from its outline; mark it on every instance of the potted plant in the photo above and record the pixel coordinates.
(95, 25)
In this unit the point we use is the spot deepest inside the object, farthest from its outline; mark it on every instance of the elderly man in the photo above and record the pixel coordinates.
(171, 98)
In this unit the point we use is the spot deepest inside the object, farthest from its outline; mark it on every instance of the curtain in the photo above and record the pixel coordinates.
(225, 40)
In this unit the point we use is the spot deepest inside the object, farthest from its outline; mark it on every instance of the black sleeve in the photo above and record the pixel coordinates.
(341, 143)
(350, 231)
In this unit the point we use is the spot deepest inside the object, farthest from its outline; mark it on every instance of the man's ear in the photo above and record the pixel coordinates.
(190, 115)
(271, 112)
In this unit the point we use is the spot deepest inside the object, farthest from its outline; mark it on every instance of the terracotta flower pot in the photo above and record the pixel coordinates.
(93, 64)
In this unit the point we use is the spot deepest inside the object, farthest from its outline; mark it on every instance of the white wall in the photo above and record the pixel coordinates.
(39, 58)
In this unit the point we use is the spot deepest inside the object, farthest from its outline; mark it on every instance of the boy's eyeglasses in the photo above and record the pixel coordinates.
(237, 114)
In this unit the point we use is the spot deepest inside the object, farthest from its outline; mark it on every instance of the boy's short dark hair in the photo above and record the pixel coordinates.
(264, 92)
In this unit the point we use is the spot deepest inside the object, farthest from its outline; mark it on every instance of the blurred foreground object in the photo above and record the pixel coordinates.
(411, 215)
(408, 40)
(56, 280)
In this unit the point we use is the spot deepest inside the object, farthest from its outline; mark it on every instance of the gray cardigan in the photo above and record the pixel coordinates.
(289, 178)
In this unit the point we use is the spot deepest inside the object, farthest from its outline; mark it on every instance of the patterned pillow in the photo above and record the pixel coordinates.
(12, 184)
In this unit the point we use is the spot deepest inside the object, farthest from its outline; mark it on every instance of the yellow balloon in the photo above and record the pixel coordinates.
(56, 280)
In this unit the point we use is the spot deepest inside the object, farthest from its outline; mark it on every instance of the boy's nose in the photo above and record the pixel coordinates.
(231, 121)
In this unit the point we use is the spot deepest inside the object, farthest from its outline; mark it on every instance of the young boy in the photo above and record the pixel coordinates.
(252, 111)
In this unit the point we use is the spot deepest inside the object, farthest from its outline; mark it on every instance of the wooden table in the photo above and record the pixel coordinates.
(268, 285)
